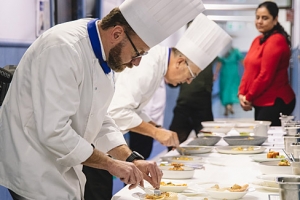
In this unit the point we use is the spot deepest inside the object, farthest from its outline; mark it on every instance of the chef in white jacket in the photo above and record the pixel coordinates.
(56, 106)
(199, 45)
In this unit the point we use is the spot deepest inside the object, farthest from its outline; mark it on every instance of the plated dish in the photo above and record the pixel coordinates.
(172, 186)
(169, 173)
(264, 158)
(193, 149)
(272, 167)
(182, 159)
(227, 191)
(163, 196)
(240, 149)
(217, 126)
(245, 140)
(206, 140)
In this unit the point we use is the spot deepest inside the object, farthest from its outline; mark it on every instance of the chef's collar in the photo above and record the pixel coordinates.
(96, 43)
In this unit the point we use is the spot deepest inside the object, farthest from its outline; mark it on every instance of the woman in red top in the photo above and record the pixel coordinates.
(265, 85)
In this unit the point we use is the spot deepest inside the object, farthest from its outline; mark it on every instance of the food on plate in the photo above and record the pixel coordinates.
(176, 167)
(182, 158)
(243, 148)
(284, 162)
(244, 133)
(234, 188)
(171, 184)
(161, 196)
(164, 196)
(274, 154)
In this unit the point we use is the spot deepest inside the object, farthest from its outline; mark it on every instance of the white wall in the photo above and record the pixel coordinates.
(244, 32)
(18, 20)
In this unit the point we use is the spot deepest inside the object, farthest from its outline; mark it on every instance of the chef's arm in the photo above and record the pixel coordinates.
(165, 137)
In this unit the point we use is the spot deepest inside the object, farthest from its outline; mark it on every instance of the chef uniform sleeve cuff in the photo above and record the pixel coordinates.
(78, 155)
(109, 141)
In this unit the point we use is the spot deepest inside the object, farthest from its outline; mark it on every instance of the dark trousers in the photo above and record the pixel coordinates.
(186, 119)
(272, 113)
(99, 184)
(15, 196)
(140, 143)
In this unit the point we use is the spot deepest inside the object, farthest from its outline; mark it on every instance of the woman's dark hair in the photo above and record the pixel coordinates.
(114, 18)
(273, 10)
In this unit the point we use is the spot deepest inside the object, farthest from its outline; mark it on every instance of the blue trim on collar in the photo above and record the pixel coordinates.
(94, 38)
(169, 56)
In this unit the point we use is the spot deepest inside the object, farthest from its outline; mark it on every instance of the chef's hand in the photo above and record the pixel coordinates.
(166, 137)
(151, 172)
(127, 172)
(246, 105)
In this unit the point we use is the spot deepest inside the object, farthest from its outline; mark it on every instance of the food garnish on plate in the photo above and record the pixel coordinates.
(234, 188)
(182, 158)
(171, 184)
(274, 154)
(284, 162)
(176, 167)
(243, 148)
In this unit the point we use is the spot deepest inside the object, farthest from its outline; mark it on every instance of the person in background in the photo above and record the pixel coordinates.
(135, 87)
(227, 69)
(54, 117)
(193, 105)
(265, 83)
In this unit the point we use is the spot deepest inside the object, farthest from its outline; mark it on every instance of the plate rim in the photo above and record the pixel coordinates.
(229, 151)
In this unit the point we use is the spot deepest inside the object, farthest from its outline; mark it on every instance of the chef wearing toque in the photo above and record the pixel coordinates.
(54, 117)
(196, 49)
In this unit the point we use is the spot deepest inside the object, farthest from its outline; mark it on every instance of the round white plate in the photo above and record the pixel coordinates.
(182, 159)
(231, 149)
(271, 189)
(263, 158)
(187, 173)
(172, 188)
(271, 167)
(194, 149)
(142, 196)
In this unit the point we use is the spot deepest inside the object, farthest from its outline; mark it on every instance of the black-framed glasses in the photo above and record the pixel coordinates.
(193, 76)
(138, 54)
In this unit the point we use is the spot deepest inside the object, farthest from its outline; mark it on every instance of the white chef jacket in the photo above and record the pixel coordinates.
(55, 108)
(135, 87)
(155, 108)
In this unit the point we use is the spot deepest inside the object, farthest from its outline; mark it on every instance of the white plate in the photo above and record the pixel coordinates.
(230, 150)
(173, 196)
(217, 126)
(271, 189)
(187, 173)
(263, 158)
(176, 188)
(182, 159)
(271, 167)
(194, 149)
(225, 194)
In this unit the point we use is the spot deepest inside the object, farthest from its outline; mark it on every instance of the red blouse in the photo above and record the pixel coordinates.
(266, 72)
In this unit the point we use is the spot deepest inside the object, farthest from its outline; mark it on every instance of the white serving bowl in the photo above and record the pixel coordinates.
(225, 194)
(172, 196)
(245, 127)
(217, 126)
(271, 167)
(187, 173)
(168, 188)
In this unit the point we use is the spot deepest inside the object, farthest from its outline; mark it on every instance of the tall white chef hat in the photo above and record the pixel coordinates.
(155, 20)
(203, 41)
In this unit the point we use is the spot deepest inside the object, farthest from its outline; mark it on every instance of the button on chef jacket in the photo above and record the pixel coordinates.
(58, 102)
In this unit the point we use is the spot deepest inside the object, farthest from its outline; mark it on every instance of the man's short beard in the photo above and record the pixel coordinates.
(114, 58)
